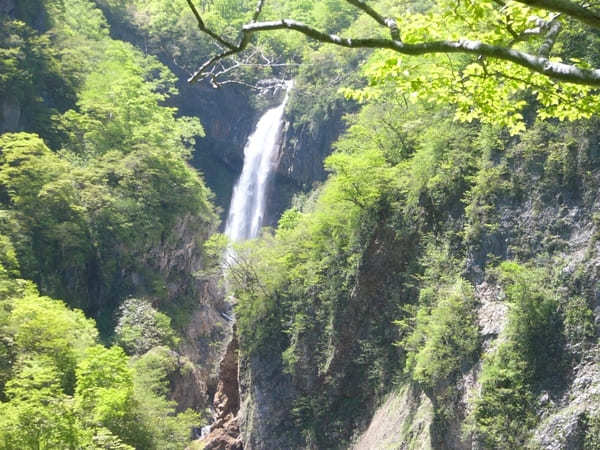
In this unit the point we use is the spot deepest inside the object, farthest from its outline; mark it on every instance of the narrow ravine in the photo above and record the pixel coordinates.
(246, 215)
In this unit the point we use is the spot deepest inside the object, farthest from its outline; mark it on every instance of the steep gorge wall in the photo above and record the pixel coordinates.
(228, 118)
(276, 404)
(164, 269)
(543, 210)
(307, 140)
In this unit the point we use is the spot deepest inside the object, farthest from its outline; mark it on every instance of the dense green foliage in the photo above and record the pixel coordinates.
(63, 390)
(445, 335)
(94, 189)
(85, 216)
(142, 328)
(416, 214)
(29, 64)
(436, 206)
(529, 354)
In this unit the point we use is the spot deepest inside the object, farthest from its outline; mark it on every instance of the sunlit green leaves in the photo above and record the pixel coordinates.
(141, 327)
(120, 108)
(481, 89)
(79, 19)
(445, 337)
(485, 90)
(358, 179)
(62, 390)
(38, 414)
(529, 353)
(43, 326)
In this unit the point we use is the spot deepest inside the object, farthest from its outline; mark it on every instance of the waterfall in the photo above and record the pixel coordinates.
(248, 202)
(247, 210)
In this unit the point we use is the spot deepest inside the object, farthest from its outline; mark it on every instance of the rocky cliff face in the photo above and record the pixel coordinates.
(225, 431)
(7, 7)
(202, 318)
(546, 213)
(266, 393)
(556, 218)
(307, 140)
(228, 118)
(275, 403)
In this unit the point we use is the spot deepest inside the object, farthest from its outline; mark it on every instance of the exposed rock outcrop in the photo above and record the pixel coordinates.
(228, 119)
(204, 342)
(225, 432)
(305, 145)
(179, 259)
(266, 393)
(403, 421)
(188, 385)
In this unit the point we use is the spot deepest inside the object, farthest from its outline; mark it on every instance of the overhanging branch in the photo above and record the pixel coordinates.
(537, 63)
(568, 8)
(383, 21)
(370, 11)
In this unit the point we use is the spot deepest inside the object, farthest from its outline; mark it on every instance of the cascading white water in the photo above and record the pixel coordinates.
(248, 202)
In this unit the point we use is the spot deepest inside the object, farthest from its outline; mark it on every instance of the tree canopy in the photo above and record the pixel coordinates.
(484, 56)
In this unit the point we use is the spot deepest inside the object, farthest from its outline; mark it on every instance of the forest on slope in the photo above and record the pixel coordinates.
(449, 265)
(97, 200)
(447, 271)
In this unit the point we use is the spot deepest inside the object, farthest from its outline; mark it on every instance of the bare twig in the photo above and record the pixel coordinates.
(383, 21)
(258, 10)
(550, 27)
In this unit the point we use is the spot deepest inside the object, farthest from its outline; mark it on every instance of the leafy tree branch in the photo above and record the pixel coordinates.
(539, 62)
